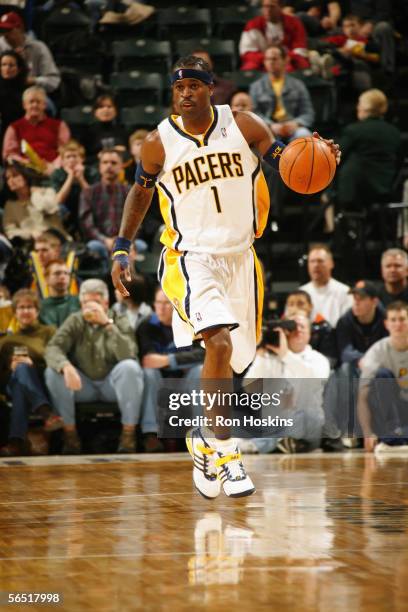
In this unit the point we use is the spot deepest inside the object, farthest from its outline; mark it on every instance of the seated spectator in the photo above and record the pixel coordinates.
(69, 180)
(293, 358)
(223, 88)
(101, 205)
(330, 298)
(105, 133)
(134, 306)
(42, 70)
(318, 16)
(361, 326)
(47, 248)
(59, 304)
(21, 371)
(135, 147)
(241, 101)
(323, 337)
(160, 360)
(282, 100)
(382, 398)
(34, 139)
(273, 28)
(379, 15)
(34, 209)
(93, 357)
(394, 270)
(370, 151)
(13, 81)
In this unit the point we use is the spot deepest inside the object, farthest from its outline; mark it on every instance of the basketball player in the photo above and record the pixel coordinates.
(214, 201)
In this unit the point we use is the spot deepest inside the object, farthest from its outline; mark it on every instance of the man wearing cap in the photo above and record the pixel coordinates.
(361, 325)
(42, 70)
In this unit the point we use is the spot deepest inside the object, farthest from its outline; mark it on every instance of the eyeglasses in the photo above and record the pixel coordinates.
(26, 307)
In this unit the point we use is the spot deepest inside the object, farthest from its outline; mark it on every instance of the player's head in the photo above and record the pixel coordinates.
(192, 83)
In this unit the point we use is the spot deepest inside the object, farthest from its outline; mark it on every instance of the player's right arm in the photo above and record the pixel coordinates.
(136, 205)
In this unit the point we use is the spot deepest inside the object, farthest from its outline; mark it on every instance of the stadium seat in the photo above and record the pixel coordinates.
(243, 78)
(136, 87)
(179, 23)
(231, 21)
(78, 119)
(222, 52)
(324, 99)
(142, 116)
(142, 54)
(65, 20)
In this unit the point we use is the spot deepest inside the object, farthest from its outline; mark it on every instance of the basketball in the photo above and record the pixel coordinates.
(307, 165)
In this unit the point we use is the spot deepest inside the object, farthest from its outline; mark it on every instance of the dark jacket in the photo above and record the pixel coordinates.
(154, 337)
(387, 298)
(370, 154)
(354, 339)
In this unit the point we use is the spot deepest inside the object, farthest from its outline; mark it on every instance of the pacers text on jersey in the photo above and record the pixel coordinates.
(206, 168)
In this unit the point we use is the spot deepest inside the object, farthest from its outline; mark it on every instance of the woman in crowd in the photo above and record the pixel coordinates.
(31, 211)
(21, 371)
(105, 133)
(13, 77)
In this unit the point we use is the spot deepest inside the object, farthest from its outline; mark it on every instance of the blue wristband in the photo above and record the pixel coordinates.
(120, 252)
(272, 155)
(143, 178)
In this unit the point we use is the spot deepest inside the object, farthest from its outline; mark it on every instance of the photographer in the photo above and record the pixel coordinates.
(292, 358)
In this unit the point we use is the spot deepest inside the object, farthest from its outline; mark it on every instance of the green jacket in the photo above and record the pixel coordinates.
(54, 310)
(370, 149)
(93, 349)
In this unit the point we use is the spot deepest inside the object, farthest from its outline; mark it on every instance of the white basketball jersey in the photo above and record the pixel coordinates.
(213, 195)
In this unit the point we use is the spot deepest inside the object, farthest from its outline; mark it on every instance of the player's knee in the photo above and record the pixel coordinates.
(219, 345)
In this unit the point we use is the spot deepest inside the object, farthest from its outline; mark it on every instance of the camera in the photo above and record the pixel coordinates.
(270, 334)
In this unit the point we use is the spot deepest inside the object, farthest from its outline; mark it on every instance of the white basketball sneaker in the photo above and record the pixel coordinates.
(231, 472)
(204, 470)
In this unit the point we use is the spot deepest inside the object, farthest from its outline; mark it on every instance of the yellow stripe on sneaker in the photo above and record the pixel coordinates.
(205, 450)
(227, 458)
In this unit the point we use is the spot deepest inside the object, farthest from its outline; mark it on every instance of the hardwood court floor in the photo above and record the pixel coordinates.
(323, 532)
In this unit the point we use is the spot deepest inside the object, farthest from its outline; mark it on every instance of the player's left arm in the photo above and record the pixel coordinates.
(257, 133)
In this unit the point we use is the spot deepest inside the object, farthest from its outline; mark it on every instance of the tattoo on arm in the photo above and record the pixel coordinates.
(136, 205)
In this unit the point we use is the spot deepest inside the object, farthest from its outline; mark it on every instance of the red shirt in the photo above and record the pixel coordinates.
(43, 136)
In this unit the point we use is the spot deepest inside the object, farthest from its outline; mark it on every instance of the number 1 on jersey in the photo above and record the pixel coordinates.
(216, 198)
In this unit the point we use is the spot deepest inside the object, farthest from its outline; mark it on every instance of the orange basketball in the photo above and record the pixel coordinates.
(307, 165)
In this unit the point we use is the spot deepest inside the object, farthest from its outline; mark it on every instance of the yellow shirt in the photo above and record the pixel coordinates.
(280, 111)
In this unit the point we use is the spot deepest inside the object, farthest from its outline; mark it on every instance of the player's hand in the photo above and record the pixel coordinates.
(118, 273)
(370, 443)
(335, 148)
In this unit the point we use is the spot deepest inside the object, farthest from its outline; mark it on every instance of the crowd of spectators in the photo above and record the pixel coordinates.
(67, 338)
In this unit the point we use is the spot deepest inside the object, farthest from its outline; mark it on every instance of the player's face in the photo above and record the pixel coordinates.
(191, 97)
(394, 269)
(319, 265)
(397, 324)
(363, 305)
